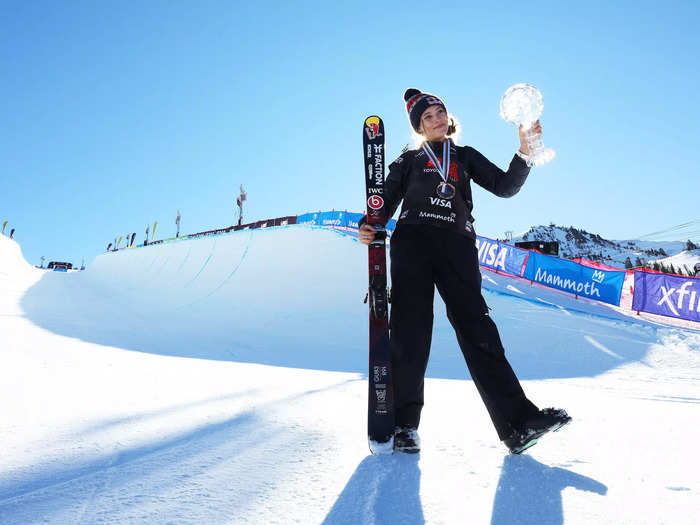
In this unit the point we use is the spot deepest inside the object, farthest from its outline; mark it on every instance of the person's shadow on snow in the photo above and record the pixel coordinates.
(382, 490)
(529, 492)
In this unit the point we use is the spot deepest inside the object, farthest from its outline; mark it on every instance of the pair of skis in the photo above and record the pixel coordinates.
(380, 415)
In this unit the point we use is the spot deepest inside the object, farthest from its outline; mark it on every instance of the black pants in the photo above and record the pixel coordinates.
(423, 257)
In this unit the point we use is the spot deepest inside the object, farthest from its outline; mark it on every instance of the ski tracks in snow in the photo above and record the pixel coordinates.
(223, 470)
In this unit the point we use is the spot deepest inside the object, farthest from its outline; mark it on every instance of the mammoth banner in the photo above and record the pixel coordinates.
(568, 276)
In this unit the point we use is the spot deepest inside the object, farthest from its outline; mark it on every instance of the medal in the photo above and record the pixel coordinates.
(445, 190)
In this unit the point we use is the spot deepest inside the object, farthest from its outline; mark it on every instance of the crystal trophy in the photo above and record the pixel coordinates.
(522, 105)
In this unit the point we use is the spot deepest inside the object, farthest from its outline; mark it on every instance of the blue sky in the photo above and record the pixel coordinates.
(118, 113)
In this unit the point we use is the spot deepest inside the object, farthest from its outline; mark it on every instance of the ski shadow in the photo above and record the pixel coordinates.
(530, 493)
(383, 489)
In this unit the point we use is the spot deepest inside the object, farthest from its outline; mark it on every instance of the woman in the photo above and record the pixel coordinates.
(433, 245)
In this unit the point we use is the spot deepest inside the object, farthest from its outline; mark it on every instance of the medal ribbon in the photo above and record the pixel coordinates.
(443, 169)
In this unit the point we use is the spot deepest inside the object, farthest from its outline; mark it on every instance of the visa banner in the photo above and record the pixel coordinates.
(354, 219)
(568, 276)
(669, 295)
(501, 257)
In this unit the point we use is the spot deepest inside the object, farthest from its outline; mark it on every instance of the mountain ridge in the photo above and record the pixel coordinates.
(576, 242)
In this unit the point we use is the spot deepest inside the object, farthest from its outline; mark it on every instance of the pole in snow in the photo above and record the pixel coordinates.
(239, 201)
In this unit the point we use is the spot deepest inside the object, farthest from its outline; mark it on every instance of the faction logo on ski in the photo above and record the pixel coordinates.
(375, 202)
(372, 128)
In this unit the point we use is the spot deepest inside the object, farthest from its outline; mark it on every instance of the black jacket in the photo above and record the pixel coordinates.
(414, 180)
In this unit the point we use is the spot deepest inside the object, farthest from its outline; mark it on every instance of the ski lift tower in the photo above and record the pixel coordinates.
(239, 201)
(509, 235)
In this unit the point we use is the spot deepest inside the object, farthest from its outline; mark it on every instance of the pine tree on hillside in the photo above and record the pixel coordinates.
(638, 263)
(691, 245)
(657, 267)
(628, 264)
(671, 269)
(662, 252)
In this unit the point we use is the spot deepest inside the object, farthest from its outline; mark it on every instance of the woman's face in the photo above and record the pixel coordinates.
(433, 123)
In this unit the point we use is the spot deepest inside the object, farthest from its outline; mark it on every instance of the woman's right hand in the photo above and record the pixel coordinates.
(366, 234)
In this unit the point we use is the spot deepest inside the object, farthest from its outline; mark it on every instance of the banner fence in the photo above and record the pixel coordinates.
(662, 294)
(669, 295)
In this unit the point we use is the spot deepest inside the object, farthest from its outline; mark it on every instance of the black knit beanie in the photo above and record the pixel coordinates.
(417, 102)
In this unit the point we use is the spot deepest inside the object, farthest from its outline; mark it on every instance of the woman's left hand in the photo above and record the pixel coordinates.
(536, 129)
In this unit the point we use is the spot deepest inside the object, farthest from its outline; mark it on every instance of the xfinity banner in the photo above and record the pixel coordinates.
(601, 285)
(668, 295)
(502, 257)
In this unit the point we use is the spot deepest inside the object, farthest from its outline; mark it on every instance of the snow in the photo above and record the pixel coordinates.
(574, 243)
(223, 380)
(684, 261)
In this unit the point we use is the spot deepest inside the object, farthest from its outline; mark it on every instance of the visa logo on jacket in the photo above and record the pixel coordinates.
(435, 201)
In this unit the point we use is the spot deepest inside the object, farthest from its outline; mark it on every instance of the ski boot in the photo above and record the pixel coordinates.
(406, 440)
(534, 427)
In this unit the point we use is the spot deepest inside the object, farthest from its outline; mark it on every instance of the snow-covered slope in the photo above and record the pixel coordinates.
(684, 261)
(142, 391)
(16, 276)
(575, 243)
(13, 263)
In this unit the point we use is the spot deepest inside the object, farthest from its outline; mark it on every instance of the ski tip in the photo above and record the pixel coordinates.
(373, 129)
(373, 122)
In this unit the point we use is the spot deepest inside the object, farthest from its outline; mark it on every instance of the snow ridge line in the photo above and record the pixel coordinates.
(211, 253)
(243, 257)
